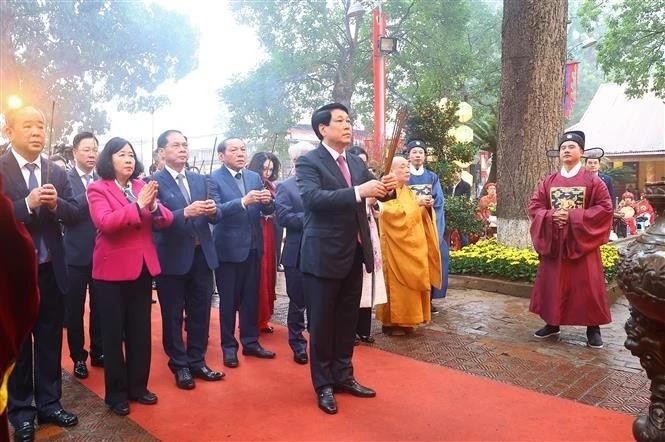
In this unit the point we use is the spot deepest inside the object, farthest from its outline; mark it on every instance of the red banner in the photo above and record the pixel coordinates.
(570, 86)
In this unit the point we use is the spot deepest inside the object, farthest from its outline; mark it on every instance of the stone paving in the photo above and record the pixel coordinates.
(491, 335)
(480, 333)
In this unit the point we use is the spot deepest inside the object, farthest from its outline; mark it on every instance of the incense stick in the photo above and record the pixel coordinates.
(389, 154)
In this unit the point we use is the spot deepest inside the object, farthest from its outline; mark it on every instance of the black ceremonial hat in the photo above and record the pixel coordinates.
(573, 135)
(415, 143)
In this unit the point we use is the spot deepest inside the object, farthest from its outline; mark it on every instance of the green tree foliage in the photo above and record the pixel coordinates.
(315, 54)
(449, 49)
(431, 122)
(81, 54)
(633, 48)
(590, 73)
(461, 214)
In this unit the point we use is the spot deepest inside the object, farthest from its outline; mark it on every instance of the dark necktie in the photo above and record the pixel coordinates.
(181, 184)
(88, 179)
(37, 239)
(240, 183)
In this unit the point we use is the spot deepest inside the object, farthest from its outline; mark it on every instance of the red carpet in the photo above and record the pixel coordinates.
(274, 400)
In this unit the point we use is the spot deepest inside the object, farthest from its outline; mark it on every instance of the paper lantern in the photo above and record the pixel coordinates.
(464, 112)
(463, 134)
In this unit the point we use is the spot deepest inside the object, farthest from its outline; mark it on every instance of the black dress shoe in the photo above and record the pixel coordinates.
(97, 362)
(184, 379)
(300, 358)
(259, 352)
(149, 398)
(231, 360)
(366, 339)
(327, 400)
(80, 370)
(121, 408)
(207, 374)
(353, 387)
(25, 432)
(61, 418)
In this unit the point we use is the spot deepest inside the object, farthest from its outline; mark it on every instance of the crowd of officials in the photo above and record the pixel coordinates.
(353, 242)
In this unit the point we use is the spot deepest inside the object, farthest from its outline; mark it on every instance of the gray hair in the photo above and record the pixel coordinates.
(298, 149)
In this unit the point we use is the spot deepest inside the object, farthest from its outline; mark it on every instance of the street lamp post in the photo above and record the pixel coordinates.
(381, 46)
(379, 76)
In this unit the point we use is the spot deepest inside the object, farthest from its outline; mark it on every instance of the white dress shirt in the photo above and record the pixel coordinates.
(83, 174)
(175, 174)
(336, 155)
(26, 172)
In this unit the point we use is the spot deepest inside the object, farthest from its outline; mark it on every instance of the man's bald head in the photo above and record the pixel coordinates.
(397, 162)
(26, 129)
(400, 168)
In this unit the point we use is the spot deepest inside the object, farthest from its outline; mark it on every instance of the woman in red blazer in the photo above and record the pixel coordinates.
(125, 210)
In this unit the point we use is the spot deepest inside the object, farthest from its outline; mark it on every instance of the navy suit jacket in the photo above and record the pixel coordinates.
(176, 244)
(43, 221)
(462, 189)
(610, 187)
(290, 214)
(233, 239)
(80, 236)
(333, 218)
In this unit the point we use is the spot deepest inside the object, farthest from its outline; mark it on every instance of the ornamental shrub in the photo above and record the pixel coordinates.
(489, 258)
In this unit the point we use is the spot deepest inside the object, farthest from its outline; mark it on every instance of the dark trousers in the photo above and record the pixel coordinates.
(80, 281)
(332, 306)
(191, 293)
(125, 316)
(44, 384)
(364, 327)
(237, 283)
(295, 319)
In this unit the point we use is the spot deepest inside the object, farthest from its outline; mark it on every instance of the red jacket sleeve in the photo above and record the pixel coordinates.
(543, 234)
(19, 296)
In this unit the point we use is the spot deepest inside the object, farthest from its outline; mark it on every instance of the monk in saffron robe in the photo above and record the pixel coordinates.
(571, 216)
(411, 256)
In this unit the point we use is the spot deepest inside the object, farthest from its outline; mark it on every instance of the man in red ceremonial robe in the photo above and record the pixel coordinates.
(571, 216)
(19, 297)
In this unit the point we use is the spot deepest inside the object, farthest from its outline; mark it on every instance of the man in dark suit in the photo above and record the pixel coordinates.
(336, 240)
(241, 199)
(290, 214)
(79, 243)
(593, 166)
(42, 199)
(460, 187)
(188, 257)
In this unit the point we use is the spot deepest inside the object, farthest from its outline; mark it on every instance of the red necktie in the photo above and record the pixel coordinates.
(341, 162)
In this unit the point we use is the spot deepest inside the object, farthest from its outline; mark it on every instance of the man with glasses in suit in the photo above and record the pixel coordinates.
(187, 256)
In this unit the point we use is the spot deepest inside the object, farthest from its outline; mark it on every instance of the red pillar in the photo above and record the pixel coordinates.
(379, 70)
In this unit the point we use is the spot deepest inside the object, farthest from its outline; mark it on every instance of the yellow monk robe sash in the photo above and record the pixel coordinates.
(3, 388)
(409, 242)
